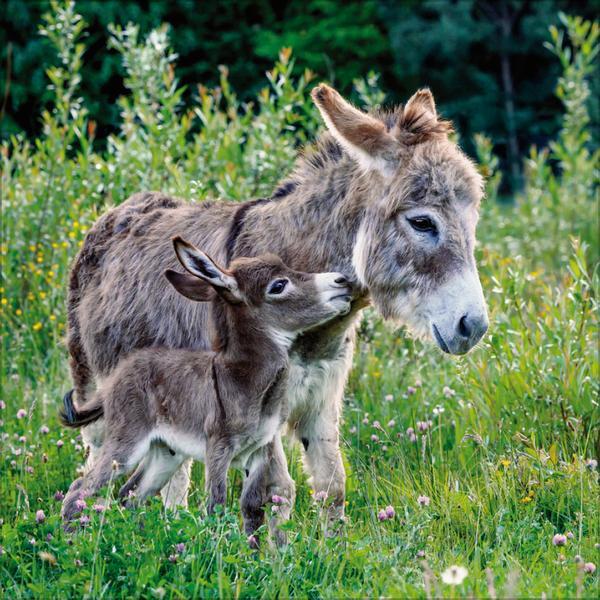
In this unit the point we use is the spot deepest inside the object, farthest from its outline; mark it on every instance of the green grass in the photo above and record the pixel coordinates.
(512, 425)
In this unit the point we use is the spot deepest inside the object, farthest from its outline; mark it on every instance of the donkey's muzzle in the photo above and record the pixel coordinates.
(469, 330)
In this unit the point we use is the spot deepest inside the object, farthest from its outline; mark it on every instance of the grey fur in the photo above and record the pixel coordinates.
(163, 405)
(343, 208)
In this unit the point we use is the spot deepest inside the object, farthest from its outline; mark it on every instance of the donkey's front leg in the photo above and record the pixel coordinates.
(323, 462)
(175, 493)
(319, 433)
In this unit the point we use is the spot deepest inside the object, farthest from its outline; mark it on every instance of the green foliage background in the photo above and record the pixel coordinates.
(511, 430)
(456, 47)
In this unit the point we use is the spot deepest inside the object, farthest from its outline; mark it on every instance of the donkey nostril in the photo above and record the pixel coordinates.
(464, 328)
(341, 280)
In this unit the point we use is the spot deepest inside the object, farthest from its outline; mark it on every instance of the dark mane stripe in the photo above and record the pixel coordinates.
(237, 224)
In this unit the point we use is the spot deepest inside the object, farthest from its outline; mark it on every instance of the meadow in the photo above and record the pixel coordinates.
(486, 462)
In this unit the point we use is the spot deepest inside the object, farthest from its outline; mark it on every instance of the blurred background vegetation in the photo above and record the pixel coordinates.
(484, 59)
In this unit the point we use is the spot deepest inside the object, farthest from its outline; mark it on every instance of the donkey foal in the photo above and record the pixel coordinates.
(162, 406)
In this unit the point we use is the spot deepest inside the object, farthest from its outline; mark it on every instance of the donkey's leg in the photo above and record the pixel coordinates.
(175, 492)
(323, 461)
(318, 428)
(319, 434)
(93, 438)
(218, 459)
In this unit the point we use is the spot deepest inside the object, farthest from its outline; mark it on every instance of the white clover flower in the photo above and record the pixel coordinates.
(454, 575)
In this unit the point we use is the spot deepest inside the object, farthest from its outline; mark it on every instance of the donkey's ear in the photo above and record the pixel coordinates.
(422, 100)
(419, 120)
(203, 266)
(191, 287)
(364, 137)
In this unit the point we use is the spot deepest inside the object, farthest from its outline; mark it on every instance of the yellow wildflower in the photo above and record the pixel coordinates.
(55, 245)
(42, 295)
(30, 296)
(505, 463)
(50, 273)
(72, 234)
(65, 244)
(75, 224)
(32, 248)
(4, 301)
(526, 500)
(52, 318)
(18, 312)
(37, 326)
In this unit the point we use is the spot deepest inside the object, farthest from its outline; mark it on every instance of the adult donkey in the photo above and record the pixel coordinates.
(387, 198)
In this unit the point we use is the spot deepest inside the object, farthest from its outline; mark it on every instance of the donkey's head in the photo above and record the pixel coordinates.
(414, 245)
(280, 300)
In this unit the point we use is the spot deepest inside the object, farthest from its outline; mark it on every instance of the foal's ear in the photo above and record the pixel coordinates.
(191, 287)
(205, 268)
(364, 137)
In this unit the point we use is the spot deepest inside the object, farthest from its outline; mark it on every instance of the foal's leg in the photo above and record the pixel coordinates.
(99, 475)
(254, 491)
(218, 459)
(279, 483)
(268, 477)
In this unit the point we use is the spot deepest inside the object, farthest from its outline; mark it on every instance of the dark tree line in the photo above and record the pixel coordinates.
(484, 59)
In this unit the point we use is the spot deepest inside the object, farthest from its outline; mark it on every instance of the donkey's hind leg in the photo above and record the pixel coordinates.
(175, 493)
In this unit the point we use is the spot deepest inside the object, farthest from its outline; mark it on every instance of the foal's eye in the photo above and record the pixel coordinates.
(277, 286)
(423, 225)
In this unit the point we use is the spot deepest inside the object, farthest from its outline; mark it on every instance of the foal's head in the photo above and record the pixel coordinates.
(277, 299)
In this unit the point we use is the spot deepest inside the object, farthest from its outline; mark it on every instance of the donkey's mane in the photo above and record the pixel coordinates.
(313, 160)
(410, 124)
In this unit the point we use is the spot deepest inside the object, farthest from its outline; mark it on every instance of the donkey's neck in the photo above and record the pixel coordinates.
(312, 220)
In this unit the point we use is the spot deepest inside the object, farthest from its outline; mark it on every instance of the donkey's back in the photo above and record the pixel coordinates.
(115, 296)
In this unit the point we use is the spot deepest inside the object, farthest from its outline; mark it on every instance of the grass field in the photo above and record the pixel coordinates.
(484, 459)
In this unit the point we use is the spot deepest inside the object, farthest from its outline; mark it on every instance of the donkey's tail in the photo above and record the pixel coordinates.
(71, 416)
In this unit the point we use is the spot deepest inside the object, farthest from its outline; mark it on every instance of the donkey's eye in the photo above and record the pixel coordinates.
(423, 225)
(277, 286)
